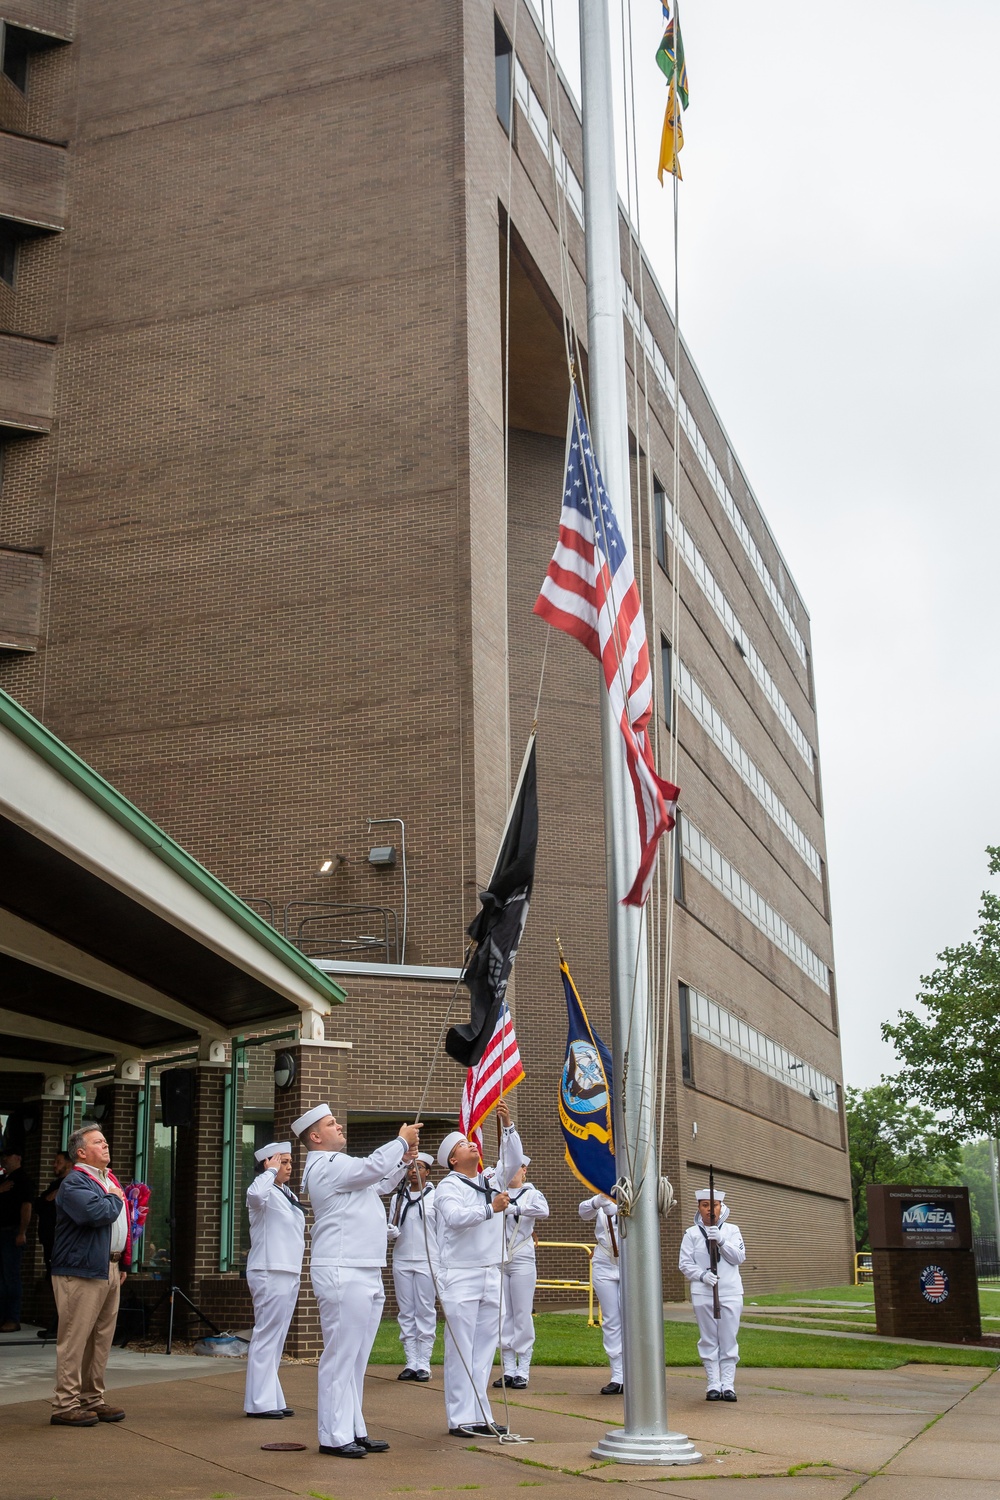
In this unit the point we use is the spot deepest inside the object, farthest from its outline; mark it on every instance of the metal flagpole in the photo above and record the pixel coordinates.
(645, 1437)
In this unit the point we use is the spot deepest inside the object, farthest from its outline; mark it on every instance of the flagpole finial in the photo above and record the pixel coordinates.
(560, 947)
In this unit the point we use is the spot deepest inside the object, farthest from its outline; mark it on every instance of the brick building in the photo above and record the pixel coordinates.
(262, 273)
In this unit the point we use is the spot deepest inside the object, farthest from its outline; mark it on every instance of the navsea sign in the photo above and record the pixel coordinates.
(934, 1284)
(929, 1218)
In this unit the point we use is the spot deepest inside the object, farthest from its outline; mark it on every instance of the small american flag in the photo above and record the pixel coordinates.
(591, 593)
(497, 1072)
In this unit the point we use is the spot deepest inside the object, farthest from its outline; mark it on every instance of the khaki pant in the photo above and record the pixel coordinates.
(88, 1311)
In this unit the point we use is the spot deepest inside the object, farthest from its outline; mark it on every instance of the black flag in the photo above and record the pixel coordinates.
(498, 927)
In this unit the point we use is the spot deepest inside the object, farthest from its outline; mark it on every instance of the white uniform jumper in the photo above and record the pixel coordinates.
(717, 1347)
(520, 1273)
(603, 1212)
(277, 1242)
(470, 1252)
(411, 1273)
(348, 1253)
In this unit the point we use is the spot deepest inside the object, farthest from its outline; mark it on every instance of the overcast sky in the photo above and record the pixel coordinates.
(840, 257)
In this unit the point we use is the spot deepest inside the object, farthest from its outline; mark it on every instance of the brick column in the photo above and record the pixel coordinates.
(320, 1077)
(40, 1146)
(119, 1128)
(198, 1193)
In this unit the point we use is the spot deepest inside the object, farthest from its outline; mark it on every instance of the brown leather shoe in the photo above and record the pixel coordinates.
(75, 1417)
(106, 1413)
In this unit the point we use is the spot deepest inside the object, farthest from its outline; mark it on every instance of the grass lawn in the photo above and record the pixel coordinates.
(564, 1339)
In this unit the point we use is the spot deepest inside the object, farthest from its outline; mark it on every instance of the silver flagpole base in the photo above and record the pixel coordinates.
(647, 1448)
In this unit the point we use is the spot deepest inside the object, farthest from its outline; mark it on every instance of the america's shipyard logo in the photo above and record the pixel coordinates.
(934, 1284)
(584, 1087)
(929, 1218)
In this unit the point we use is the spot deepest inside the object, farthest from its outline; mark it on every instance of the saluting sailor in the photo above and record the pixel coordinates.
(520, 1272)
(348, 1236)
(277, 1242)
(717, 1347)
(469, 1207)
(413, 1234)
(602, 1212)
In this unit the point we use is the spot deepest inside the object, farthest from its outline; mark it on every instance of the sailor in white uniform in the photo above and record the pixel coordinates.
(520, 1272)
(413, 1236)
(718, 1348)
(348, 1253)
(469, 1207)
(602, 1212)
(277, 1241)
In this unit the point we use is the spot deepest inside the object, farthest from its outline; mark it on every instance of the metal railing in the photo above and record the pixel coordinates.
(987, 1257)
(557, 1284)
(313, 927)
(863, 1273)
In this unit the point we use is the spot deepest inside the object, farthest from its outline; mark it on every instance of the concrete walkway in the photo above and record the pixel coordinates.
(911, 1434)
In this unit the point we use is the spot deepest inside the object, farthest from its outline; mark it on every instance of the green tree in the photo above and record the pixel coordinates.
(979, 1180)
(951, 1056)
(893, 1140)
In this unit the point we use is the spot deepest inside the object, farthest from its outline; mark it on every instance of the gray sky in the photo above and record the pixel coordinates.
(840, 251)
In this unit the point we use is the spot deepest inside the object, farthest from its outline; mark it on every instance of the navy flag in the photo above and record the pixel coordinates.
(585, 1098)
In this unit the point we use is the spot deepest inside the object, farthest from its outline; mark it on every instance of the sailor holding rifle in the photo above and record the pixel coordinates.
(413, 1235)
(470, 1205)
(349, 1236)
(712, 1252)
(602, 1212)
(274, 1265)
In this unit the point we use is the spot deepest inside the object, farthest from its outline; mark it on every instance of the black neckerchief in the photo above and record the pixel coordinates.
(284, 1188)
(417, 1203)
(514, 1197)
(476, 1186)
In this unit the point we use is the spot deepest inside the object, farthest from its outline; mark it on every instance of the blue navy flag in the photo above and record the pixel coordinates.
(585, 1098)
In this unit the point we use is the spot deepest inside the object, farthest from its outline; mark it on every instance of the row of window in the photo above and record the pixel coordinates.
(658, 364)
(714, 1024)
(693, 694)
(696, 850)
(712, 589)
(534, 112)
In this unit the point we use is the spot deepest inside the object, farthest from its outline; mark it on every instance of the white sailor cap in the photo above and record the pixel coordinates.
(704, 1194)
(526, 1161)
(301, 1125)
(448, 1145)
(426, 1158)
(273, 1148)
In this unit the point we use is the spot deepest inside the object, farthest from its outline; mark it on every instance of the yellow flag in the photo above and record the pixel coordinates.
(668, 159)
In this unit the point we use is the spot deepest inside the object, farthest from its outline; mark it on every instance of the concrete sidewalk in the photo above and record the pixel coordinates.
(907, 1434)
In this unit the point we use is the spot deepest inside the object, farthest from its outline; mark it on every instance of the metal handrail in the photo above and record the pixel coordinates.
(330, 911)
(554, 1284)
(863, 1274)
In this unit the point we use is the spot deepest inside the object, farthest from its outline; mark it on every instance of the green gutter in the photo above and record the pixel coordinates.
(86, 780)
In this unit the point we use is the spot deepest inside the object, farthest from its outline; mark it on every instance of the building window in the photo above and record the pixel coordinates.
(685, 1019)
(15, 57)
(714, 1024)
(666, 663)
(9, 239)
(504, 55)
(660, 522)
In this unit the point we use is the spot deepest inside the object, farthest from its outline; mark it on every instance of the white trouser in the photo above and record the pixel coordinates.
(518, 1337)
(274, 1294)
(350, 1305)
(717, 1347)
(471, 1303)
(417, 1316)
(607, 1285)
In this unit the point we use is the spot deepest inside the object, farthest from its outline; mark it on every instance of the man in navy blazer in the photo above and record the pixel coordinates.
(90, 1255)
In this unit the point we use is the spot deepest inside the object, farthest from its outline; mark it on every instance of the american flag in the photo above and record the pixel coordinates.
(590, 592)
(497, 1072)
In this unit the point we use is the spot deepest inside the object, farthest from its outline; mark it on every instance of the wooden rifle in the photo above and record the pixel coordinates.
(713, 1245)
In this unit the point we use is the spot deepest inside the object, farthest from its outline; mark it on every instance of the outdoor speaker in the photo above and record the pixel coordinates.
(177, 1096)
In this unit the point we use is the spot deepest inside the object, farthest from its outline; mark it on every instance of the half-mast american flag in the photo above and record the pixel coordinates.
(497, 1072)
(590, 592)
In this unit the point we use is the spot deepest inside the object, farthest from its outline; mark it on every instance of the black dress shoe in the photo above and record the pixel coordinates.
(346, 1450)
(268, 1416)
(729, 1395)
(613, 1388)
(467, 1431)
(485, 1429)
(372, 1445)
(713, 1395)
(518, 1383)
(286, 1411)
(408, 1374)
(498, 1385)
(422, 1375)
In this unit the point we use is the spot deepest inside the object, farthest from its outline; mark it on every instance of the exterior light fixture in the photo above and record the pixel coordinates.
(384, 857)
(284, 1070)
(326, 866)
